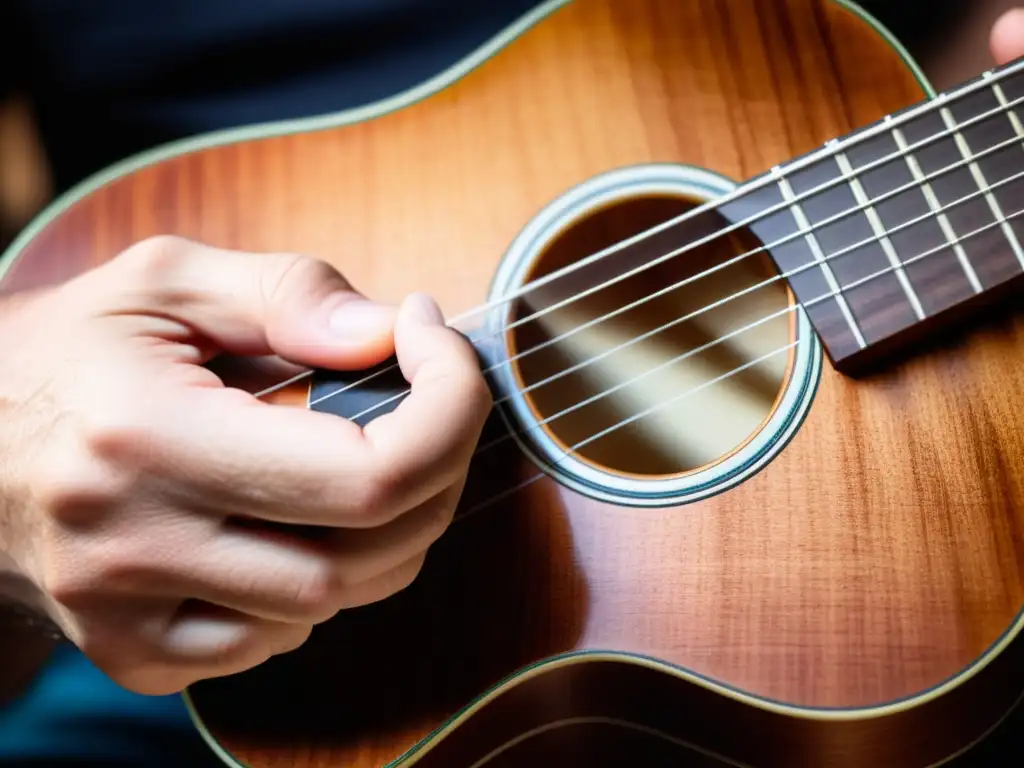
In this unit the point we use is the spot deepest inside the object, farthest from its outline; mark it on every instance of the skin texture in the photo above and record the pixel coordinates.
(142, 496)
(1007, 39)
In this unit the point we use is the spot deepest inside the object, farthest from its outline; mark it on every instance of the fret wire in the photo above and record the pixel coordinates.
(921, 256)
(877, 226)
(982, 182)
(922, 179)
(1011, 113)
(798, 306)
(823, 153)
(819, 256)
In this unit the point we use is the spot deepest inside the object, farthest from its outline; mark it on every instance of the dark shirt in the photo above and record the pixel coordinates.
(109, 78)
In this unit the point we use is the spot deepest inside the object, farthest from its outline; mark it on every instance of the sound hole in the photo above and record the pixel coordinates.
(624, 366)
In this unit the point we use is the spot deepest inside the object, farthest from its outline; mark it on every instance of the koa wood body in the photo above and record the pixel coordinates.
(852, 602)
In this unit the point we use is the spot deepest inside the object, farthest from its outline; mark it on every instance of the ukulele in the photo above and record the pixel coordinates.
(745, 289)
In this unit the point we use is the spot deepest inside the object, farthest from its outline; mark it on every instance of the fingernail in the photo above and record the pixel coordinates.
(425, 308)
(200, 636)
(361, 319)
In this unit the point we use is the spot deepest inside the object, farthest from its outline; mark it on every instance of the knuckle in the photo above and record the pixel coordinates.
(299, 274)
(88, 570)
(155, 268)
(73, 489)
(120, 448)
(439, 519)
(314, 593)
(294, 639)
(71, 499)
(152, 256)
(375, 497)
(121, 565)
(407, 574)
(69, 588)
(115, 433)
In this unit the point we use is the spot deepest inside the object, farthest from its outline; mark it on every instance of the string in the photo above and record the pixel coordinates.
(775, 315)
(830, 149)
(901, 154)
(800, 233)
(690, 353)
(932, 214)
(491, 500)
(833, 148)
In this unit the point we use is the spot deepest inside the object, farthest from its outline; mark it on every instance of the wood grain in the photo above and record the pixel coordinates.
(878, 556)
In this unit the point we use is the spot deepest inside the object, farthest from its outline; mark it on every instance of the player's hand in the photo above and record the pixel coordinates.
(133, 482)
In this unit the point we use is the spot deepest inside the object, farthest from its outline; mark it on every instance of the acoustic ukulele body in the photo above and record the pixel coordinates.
(787, 567)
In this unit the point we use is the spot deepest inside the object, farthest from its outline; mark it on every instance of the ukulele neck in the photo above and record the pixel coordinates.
(904, 224)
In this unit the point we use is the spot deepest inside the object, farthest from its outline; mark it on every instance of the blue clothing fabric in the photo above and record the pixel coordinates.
(74, 715)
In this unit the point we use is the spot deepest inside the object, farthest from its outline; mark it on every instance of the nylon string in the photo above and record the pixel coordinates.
(830, 149)
(932, 214)
(690, 392)
(786, 205)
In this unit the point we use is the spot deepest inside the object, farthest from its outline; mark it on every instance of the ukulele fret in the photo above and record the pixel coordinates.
(939, 211)
(1011, 112)
(983, 183)
(993, 254)
(879, 229)
(811, 238)
(945, 181)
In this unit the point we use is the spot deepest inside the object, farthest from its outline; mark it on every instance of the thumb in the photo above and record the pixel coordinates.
(299, 308)
(1007, 38)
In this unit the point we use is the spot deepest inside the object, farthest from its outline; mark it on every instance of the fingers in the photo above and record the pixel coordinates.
(169, 650)
(224, 641)
(434, 431)
(195, 643)
(278, 576)
(238, 455)
(250, 304)
(1007, 38)
(202, 641)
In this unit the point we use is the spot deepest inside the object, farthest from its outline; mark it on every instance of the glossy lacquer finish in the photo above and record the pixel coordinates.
(879, 555)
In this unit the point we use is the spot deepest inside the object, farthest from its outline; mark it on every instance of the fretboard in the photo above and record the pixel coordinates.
(902, 222)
